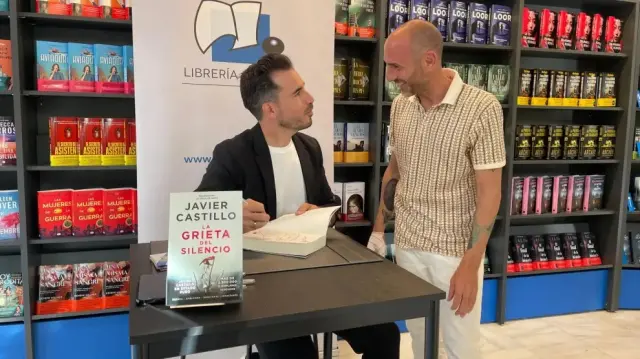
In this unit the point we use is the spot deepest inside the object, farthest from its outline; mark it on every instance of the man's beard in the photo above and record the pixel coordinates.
(297, 124)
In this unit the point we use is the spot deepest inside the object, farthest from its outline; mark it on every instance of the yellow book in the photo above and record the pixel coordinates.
(357, 142)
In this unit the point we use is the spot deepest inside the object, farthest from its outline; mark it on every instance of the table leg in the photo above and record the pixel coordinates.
(432, 336)
(328, 350)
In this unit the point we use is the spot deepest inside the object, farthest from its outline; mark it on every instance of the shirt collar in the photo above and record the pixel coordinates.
(455, 88)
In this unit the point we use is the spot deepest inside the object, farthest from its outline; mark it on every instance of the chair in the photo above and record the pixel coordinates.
(252, 355)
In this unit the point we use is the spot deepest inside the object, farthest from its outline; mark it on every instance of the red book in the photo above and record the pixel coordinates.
(116, 284)
(613, 35)
(118, 211)
(90, 141)
(55, 290)
(114, 9)
(88, 284)
(64, 141)
(86, 8)
(113, 141)
(134, 196)
(130, 151)
(55, 213)
(53, 7)
(88, 212)
(583, 31)
(597, 27)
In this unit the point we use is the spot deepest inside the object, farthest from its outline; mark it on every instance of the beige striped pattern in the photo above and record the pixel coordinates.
(437, 151)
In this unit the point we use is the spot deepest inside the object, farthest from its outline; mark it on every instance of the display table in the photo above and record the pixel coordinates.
(285, 304)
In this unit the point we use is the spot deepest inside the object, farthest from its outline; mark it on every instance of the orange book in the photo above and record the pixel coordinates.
(88, 286)
(55, 289)
(85, 8)
(6, 72)
(53, 7)
(114, 9)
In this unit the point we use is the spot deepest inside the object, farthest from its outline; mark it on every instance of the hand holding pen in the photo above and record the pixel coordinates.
(253, 215)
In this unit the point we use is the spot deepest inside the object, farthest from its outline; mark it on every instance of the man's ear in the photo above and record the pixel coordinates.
(268, 110)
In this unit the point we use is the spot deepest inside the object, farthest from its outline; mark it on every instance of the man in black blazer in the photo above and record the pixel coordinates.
(280, 171)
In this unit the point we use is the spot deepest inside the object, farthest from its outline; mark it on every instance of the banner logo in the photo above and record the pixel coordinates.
(236, 33)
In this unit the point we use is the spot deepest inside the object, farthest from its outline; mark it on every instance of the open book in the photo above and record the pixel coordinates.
(292, 235)
(216, 19)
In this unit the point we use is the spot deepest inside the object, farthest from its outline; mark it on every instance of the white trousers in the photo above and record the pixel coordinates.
(461, 335)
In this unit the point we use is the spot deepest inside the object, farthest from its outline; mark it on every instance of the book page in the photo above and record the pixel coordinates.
(297, 229)
(216, 19)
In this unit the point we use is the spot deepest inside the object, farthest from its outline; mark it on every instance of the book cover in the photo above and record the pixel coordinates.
(337, 189)
(205, 249)
(359, 80)
(340, 79)
(555, 142)
(540, 88)
(517, 193)
(419, 10)
(478, 23)
(544, 194)
(55, 213)
(539, 142)
(606, 142)
(587, 247)
(572, 85)
(114, 9)
(85, 8)
(53, 7)
(4, 5)
(589, 136)
(87, 212)
(82, 62)
(457, 22)
(338, 142)
(55, 289)
(64, 142)
(500, 29)
(526, 87)
(529, 28)
(597, 28)
(613, 35)
(555, 255)
(438, 13)
(564, 33)
(357, 143)
(511, 267)
(478, 76)
(9, 215)
(391, 90)
(556, 88)
(134, 197)
(11, 298)
(529, 195)
(538, 253)
(90, 141)
(521, 254)
(88, 287)
(362, 18)
(129, 71)
(588, 89)
(593, 192)
(341, 17)
(583, 30)
(461, 69)
(546, 39)
(6, 70)
(52, 66)
(570, 250)
(498, 82)
(606, 90)
(130, 157)
(109, 69)
(571, 142)
(116, 284)
(117, 211)
(560, 192)
(398, 14)
(353, 201)
(576, 193)
(386, 143)
(8, 155)
(114, 144)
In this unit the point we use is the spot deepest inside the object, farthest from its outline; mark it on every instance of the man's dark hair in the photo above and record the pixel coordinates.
(256, 85)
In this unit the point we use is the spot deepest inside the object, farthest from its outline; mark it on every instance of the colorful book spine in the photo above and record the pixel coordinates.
(129, 72)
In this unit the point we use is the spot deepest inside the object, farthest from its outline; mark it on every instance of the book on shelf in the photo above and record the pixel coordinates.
(110, 68)
(6, 70)
(353, 195)
(52, 64)
(82, 77)
(553, 251)
(357, 143)
(129, 71)
(338, 142)
(11, 298)
(291, 234)
(205, 249)
(9, 215)
(4, 5)
(8, 155)
(362, 18)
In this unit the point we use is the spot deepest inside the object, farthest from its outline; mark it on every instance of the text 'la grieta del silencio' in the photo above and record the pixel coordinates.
(203, 240)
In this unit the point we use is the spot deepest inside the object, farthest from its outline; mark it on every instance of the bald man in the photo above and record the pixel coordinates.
(442, 183)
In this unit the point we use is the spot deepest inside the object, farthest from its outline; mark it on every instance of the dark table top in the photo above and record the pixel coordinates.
(287, 303)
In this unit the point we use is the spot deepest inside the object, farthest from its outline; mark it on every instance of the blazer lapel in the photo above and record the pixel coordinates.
(306, 165)
(263, 158)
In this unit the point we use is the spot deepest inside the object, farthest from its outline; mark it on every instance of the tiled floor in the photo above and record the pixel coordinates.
(599, 335)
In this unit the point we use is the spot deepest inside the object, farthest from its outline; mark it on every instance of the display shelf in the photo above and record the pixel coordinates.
(8, 169)
(355, 164)
(353, 39)
(6, 93)
(11, 320)
(121, 239)
(560, 270)
(492, 275)
(602, 212)
(631, 266)
(79, 168)
(570, 108)
(74, 21)
(562, 162)
(4, 15)
(86, 313)
(570, 54)
(633, 216)
(353, 103)
(77, 94)
(352, 224)
(454, 46)
(9, 243)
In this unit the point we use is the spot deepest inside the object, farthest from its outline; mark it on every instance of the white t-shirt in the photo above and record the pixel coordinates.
(287, 172)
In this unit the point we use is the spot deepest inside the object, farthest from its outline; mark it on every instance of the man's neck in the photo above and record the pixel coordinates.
(436, 90)
(276, 136)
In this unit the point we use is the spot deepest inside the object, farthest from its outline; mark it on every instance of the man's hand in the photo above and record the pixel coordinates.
(377, 243)
(463, 287)
(305, 207)
(253, 216)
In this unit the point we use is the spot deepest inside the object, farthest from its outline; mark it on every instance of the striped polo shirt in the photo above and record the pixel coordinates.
(437, 151)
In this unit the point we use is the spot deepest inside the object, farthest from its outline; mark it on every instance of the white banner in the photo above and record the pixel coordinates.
(188, 59)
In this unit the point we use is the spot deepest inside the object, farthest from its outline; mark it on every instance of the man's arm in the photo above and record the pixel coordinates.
(489, 184)
(386, 212)
(219, 175)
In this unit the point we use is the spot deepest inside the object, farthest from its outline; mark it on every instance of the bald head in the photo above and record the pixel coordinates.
(419, 35)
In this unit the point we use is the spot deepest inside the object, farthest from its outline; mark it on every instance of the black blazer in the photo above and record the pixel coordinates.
(243, 163)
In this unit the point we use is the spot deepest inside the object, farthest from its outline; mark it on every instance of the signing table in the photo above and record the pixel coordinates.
(343, 286)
